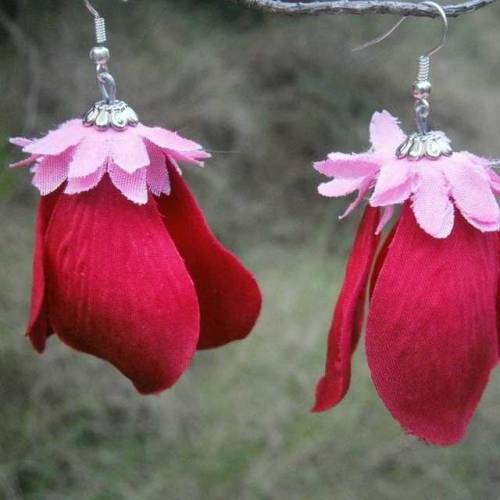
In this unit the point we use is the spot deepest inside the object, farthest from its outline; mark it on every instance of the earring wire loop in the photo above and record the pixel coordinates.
(430, 52)
(91, 9)
(424, 143)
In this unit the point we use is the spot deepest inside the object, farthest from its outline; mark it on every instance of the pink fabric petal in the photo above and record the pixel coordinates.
(385, 133)
(128, 151)
(90, 155)
(21, 142)
(494, 181)
(191, 158)
(362, 191)
(81, 184)
(50, 173)
(26, 162)
(431, 204)
(394, 184)
(340, 186)
(132, 186)
(58, 141)
(174, 164)
(387, 213)
(343, 165)
(166, 139)
(470, 188)
(157, 174)
(431, 337)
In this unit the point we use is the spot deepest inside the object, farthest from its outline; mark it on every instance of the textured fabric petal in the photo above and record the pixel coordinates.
(344, 165)
(229, 297)
(190, 158)
(132, 186)
(81, 184)
(118, 288)
(128, 151)
(431, 204)
(90, 155)
(340, 186)
(470, 188)
(21, 142)
(39, 328)
(348, 316)
(385, 133)
(166, 139)
(58, 141)
(157, 173)
(27, 162)
(394, 184)
(172, 161)
(494, 181)
(387, 213)
(431, 337)
(362, 191)
(51, 172)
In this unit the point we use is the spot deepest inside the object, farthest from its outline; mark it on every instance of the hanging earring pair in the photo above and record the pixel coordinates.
(431, 333)
(125, 265)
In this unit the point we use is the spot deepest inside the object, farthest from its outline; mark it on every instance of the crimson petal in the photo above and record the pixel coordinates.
(348, 316)
(39, 328)
(431, 334)
(379, 261)
(229, 297)
(118, 289)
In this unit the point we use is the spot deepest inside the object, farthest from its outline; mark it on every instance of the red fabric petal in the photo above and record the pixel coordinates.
(118, 289)
(39, 328)
(498, 298)
(229, 297)
(348, 316)
(379, 261)
(431, 334)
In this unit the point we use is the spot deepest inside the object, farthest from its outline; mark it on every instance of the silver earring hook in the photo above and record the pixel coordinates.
(388, 33)
(109, 112)
(91, 9)
(99, 22)
(424, 143)
(444, 34)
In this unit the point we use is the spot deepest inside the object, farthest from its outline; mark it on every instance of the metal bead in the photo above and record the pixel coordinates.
(100, 55)
(422, 90)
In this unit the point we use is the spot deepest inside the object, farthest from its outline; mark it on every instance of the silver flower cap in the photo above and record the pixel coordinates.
(117, 115)
(431, 145)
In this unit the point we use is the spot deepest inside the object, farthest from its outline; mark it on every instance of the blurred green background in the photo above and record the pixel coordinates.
(268, 95)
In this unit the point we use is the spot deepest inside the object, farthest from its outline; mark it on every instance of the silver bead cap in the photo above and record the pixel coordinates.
(431, 145)
(117, 115)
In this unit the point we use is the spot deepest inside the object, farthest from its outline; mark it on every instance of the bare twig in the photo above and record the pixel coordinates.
(360, 7)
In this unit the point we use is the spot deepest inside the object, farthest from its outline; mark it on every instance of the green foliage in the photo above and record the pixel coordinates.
(7, 176)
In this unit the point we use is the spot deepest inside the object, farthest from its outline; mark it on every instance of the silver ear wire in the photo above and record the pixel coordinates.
(100, 23)
(109, 112)
(426, 143)
(422, 86)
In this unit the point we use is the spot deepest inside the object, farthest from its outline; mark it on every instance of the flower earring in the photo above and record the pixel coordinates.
(125, 266)
(431, 334)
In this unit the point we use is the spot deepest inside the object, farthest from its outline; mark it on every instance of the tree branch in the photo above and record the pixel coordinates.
(360, 7)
